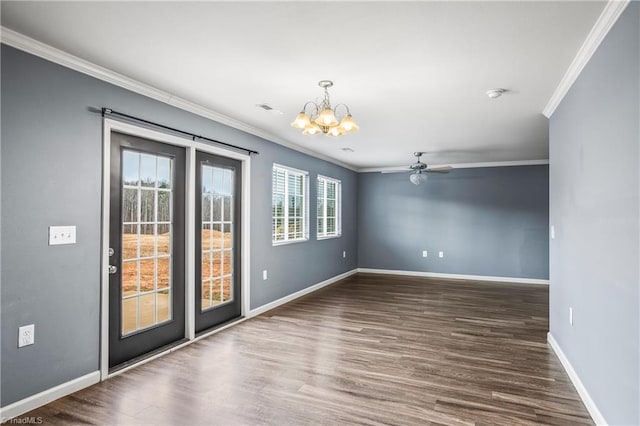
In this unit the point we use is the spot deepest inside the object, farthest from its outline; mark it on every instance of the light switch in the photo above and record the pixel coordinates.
(62, 235)
(553, 232)
(424, 253)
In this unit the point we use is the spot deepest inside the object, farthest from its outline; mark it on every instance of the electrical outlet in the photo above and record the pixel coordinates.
(264, 275)
(344, 254)
(570, 316)
(62, 235)
(441, 254)
(553, 232)
(26, 335)
(424, 253)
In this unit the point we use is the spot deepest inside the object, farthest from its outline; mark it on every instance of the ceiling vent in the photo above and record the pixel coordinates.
(269, 108)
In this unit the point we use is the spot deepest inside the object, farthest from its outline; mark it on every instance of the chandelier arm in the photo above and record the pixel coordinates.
(335, 109)
(315, 105)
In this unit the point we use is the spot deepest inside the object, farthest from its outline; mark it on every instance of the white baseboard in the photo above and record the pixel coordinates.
(34, 401)
(455, 276)
(271, 305)
(596, 415)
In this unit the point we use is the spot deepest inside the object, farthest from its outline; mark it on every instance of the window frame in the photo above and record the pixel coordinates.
(305, 206)
(338, 208)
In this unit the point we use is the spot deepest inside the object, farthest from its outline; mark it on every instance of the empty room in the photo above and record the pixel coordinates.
(320, 213)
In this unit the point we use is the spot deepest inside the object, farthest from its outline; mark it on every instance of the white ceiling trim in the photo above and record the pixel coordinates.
(607, 18)
(461, 165)
(60, 57)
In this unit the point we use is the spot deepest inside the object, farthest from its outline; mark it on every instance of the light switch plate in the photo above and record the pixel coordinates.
(424, 253)
(441, 254)
(62, 235)
(264, 275)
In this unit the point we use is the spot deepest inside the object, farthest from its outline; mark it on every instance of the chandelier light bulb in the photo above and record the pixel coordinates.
(302, 121)
(327, 118)
(349, 124)
(311, 129)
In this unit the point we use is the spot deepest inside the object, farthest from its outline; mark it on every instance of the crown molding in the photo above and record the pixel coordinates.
(605, 21)
(27, 44)
(460, 166)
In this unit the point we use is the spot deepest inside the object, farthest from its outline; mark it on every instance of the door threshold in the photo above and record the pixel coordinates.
(149, 356)
(219, 327)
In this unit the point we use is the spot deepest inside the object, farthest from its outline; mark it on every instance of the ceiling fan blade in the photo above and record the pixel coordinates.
(440, 169)
(395, 171)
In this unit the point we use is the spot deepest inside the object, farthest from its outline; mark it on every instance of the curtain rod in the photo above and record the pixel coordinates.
(109, 111)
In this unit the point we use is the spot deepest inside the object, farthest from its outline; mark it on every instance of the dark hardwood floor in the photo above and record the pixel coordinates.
(371, 350)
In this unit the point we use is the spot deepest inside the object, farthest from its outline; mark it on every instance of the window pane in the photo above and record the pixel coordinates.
(331, 190)
(163, 305)
(130, 167)
(147, 207)
(320, 226)
(216, 212)
(164, 206)
(147, 310)
(164, 172)
(147, 275)
(331, 226)
(129, 278)
(206, 294)
(164, 239)
(129, 205)
(129, 315)
(164, 273)
(129, 241)
(147, 170)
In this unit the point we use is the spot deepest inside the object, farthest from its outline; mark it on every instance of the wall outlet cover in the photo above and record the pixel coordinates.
(26, 335)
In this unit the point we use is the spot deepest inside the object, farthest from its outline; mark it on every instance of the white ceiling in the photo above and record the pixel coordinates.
(414, 74)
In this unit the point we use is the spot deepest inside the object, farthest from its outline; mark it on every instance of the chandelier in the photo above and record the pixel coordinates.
(323, 118)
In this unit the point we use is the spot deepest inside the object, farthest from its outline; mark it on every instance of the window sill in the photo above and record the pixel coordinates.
(328, 237)
(283, 243)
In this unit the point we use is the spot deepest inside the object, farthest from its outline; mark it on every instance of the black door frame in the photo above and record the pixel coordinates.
(191, 147)
(124, 349)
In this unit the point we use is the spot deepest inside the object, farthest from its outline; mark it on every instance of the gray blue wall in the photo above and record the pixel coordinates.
(594, 206)
(487, 221)
(51, 175)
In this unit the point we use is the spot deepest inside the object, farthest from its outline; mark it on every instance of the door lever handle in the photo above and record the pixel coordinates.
(113, 269)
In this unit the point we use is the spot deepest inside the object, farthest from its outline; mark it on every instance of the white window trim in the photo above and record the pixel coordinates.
(305, 209)
(338, 233)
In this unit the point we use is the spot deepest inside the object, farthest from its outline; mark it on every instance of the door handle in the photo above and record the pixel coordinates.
(113, 269)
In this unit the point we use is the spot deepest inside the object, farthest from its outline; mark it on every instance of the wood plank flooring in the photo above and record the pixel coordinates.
(369, 350)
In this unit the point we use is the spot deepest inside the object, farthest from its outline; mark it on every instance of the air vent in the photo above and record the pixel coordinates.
(269, 108)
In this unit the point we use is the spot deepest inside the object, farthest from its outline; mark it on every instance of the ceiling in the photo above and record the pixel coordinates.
(414, 74)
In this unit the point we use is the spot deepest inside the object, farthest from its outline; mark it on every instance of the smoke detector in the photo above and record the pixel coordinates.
(495, 93)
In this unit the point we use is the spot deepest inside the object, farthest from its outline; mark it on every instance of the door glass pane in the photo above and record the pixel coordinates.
(218, 199)
(146, 240)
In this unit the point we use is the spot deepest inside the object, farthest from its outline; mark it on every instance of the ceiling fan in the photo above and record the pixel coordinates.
(420, 169)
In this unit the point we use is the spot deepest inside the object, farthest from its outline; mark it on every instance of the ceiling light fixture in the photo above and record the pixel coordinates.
(323, 118)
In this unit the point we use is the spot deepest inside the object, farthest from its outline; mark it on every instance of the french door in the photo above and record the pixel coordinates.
(218, 196)
(146, 247)
(146, 236)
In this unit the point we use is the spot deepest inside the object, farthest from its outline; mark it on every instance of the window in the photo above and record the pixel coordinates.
(329, 207)
(289, 205)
